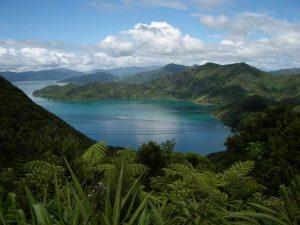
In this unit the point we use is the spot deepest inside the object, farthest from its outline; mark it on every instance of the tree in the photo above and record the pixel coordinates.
(155, 156)
(272, 138)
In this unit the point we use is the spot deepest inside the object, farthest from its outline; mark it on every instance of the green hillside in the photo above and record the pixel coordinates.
(27, 131)
(91, 78)
(210, 83)
(143, 77)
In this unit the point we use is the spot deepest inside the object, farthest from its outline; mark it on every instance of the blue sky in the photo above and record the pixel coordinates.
(89, 34)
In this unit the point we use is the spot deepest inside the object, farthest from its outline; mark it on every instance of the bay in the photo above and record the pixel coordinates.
(129, 123)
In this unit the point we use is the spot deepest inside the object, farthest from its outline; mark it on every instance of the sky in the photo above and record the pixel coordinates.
(92, 34)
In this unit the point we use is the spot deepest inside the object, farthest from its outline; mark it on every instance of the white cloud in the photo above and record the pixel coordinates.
(158, 37)
(161, 43)
(192, 45)
(247, 24)
(162, 38)
(3, 51)
(115, 46)
(215, 22)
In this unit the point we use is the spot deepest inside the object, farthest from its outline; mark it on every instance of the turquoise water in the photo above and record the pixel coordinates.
(130, 123)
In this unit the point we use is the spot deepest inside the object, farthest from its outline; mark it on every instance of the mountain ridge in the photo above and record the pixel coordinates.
(143, 77)
(54, 74)
(124, 71)
(283, 72)
(209, 83)
(99, 77)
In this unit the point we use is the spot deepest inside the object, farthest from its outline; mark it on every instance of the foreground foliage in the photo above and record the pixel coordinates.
(181, 194)
(271, 138)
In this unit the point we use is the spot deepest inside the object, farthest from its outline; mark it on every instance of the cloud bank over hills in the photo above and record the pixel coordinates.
(256, 38)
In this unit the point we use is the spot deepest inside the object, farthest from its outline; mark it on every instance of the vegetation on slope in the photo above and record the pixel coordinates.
(210, 83)
(271, 138)
(232, 114)
(179, 193)
(91, 78)
(28, 131)
(94, 91)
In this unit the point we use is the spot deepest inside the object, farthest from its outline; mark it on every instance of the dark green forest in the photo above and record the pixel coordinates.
(52, 174)
(28, 131)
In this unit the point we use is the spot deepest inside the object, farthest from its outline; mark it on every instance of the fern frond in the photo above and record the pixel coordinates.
(93, 155)
(105, 167)
(136, 169)
(177, 169)
(36, 165)
(128, 154)
(133, 169)
(239, 168)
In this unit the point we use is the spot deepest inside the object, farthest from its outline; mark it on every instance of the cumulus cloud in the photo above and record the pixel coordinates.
(162, 38)
(161, 43)
(246, 24)
(116, 46)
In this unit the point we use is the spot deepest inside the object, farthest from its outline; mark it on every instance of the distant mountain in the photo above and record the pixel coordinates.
(55, 74)
(143, 77)
(125, 71)
(99, 77)
(209, 83)
(293, 71)
(28, 131)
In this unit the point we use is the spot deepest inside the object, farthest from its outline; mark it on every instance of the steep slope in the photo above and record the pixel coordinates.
(144, 77)
(27, 131)
(210, 83)
(55, 74)
(91, 78)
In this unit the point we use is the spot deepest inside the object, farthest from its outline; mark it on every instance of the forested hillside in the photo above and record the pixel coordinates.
(210, 83)
(28, 131)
